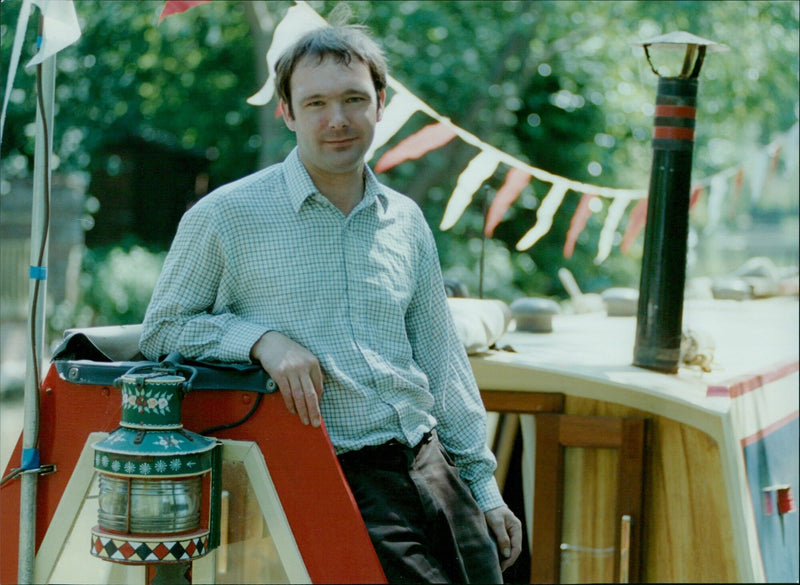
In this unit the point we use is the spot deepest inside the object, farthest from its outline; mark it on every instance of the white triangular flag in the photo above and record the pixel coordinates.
(471, 178)
(544, 215)
(60, 28)
(791, 146)
(606, 240)
(758, 174)
(299, 19)
(396, 113)
(716, 196)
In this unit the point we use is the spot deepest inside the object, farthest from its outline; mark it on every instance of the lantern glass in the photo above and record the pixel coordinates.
(149, 506)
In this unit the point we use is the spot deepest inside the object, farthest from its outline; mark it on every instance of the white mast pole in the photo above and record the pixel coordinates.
(46, 75)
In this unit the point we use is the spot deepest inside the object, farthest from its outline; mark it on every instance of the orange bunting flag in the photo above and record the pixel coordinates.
(636, 221)
(775, 157)
(177, 6)
(697, 192)
(582, 214)
(431, 137)
(738, 181)
(515, 182)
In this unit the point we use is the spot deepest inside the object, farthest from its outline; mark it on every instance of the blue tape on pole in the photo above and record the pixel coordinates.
(38, 272)
(30, 459)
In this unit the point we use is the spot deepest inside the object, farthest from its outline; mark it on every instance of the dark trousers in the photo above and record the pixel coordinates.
(422, 518)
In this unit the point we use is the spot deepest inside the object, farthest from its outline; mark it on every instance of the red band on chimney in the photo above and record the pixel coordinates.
(676, 111)
(674, 133)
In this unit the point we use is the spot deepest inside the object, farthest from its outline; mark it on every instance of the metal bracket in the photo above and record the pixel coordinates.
(19, 471)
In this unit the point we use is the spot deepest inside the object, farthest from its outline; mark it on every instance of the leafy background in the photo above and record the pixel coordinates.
(556, 84)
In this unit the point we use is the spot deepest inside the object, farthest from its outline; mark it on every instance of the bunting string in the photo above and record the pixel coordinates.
(462, 197)
(403, 104)
(721, 189)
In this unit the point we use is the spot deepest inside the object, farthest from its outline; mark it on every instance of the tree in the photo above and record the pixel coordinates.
(556, 84)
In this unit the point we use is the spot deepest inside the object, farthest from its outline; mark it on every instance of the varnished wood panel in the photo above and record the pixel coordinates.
(589, 515)
(522, 402)
(548, 498)
(687, 531)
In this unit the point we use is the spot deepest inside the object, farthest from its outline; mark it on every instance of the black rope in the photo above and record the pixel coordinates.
(246, 417)
(43, 244)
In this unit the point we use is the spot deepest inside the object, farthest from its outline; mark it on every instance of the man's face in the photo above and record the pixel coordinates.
(335, 110)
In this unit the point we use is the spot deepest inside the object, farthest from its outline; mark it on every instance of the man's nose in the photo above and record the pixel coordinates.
(338, 117)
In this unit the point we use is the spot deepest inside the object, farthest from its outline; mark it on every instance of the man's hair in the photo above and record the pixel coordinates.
(342, 43)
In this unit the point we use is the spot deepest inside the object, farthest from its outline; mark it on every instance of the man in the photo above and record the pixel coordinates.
(331, 281)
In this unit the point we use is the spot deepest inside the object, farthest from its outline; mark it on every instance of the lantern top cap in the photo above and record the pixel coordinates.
(679, 40)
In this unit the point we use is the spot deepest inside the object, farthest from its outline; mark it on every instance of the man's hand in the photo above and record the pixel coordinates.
(295, 370)
(507, 531)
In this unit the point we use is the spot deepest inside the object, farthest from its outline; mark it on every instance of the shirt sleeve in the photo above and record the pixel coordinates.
(458, 407)
(187, 311)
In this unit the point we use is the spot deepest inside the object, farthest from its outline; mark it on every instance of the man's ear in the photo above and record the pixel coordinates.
(287, 117)
(381, 101)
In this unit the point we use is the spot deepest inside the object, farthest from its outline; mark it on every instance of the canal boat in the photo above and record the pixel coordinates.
(624, 473)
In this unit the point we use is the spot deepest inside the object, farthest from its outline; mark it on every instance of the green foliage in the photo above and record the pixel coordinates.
(555, 83)
(561, 87)
(188, 77)
(115, 284)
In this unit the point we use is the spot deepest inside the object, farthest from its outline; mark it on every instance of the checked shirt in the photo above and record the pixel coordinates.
(362, 292)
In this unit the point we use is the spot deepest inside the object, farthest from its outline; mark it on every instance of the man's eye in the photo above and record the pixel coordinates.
(355, 99)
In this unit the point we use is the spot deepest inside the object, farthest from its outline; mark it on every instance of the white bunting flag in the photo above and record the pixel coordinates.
(758, 174)
(396, 113)
(544, 215)
(299, 19)
(471, 178)
(606, 240)
(60, 28)
(716, 197)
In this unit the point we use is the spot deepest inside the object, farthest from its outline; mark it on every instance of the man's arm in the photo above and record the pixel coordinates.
(188, 309)
(458, 409)
(188, 313)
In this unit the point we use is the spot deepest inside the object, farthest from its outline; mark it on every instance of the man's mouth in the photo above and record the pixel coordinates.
(341, 141)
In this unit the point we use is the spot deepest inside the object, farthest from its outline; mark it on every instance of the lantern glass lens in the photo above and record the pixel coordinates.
(149, 506)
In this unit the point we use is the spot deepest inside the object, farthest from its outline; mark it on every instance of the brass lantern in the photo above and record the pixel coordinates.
(153, 475)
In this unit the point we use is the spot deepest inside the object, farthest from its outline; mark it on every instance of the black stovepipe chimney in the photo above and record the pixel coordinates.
(661, 285)
(660, 310)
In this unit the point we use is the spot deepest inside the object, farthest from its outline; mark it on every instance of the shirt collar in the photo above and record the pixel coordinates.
(373, 189)
(300, 186)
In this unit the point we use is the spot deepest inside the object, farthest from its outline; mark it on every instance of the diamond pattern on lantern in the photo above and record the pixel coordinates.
(126, 550)
(98, 546)
(145, 552)
(178, 551)
(136, 551)
(160, 551)
(110, 548)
